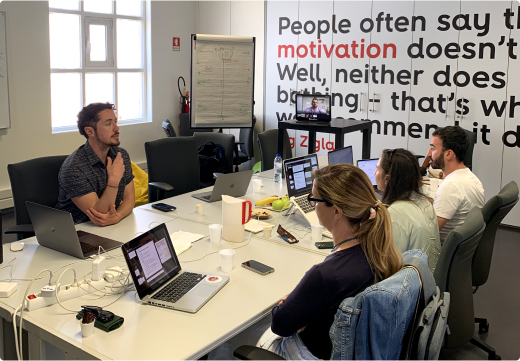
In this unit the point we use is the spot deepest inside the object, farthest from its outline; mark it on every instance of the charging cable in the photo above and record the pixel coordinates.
(74, 284)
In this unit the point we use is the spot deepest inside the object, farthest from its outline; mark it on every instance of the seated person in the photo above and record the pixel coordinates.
(314, 109)
(460, 190)
(363, 253)
(96, 181)
(414, 222)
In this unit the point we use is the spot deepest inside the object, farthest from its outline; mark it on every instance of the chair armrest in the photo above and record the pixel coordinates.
(215, 175)
(26, 230)
(247, 352)
(236, 143)
(161, 186)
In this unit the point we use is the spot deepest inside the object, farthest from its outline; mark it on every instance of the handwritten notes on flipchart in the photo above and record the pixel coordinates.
(4, 96)
(222, 80)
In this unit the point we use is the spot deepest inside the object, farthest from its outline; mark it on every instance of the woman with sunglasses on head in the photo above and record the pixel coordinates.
(363, 253)
(414, 221)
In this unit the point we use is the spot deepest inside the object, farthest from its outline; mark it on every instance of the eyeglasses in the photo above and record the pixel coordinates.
(101, 315)
(314, 201)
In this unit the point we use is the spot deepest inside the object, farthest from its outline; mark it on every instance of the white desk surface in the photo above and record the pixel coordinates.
(156, 333)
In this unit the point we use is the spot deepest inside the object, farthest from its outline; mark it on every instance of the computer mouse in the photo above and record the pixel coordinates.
(17, 246)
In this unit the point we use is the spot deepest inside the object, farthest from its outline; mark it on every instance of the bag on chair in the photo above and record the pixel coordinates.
(212, 159)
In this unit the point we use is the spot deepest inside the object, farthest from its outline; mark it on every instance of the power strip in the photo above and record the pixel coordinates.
(36, 300)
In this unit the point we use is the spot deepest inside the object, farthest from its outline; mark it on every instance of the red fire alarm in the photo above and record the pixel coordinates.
(176, 44)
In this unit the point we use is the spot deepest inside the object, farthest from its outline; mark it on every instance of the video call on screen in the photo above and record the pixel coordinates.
(299, 177)
(305, 109)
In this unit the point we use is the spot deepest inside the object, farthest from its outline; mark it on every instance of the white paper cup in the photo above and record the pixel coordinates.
(215, 233)
(257, 185)
(200, 209)
(267, 231)
(316, 230)
(226, 259)
(87, 329)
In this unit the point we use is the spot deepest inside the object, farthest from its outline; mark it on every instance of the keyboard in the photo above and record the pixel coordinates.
(87, 248)
(177, 288)
(304, 205)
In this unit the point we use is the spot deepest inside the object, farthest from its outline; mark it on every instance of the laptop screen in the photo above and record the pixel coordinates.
(341, 156)
(369, 166)
(313, 107)
(151, 260)
(298, 174)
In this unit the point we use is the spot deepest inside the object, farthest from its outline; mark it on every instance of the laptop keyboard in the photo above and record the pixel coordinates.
(178, 287)
(87, 248)
(304, 205)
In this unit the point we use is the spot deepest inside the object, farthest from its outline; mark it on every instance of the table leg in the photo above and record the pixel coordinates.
(36, 347)
(367, 135)
(339, 141)
(280, 141)
(312, 143)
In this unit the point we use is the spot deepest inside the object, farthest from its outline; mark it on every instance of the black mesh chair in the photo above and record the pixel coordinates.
(453, 275)
(268, 142)
(173, 167)
(244, 147)
(34, 180)
(168, 128)
(494, 211)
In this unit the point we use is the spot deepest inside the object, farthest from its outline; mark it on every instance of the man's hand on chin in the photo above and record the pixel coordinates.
(104, 219)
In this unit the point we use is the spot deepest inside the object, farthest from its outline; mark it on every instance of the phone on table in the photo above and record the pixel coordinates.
(258, 267)
(163, 207)
(324, 245)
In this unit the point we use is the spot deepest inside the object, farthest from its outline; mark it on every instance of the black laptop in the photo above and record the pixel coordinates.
(313, 109)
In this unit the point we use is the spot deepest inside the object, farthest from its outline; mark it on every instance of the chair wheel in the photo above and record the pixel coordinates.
(483, 328)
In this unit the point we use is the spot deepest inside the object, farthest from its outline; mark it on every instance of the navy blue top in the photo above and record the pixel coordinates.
(315, 300)
(83, 173)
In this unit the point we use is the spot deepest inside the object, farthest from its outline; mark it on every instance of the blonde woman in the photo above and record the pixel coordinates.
(363, 253)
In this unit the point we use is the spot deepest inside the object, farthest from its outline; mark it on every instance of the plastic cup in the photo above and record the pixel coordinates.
(87, 329)
(267, 231)
(317, 230)
(200, 209)
(257, 185)
(226, 259)
(215, 233)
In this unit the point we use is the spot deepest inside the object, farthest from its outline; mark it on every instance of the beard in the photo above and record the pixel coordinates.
(439, 162)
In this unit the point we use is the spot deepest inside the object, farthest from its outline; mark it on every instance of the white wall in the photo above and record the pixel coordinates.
(30, 135)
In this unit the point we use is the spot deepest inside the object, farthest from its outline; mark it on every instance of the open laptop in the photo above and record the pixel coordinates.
(231, 184)
(55, 229)
(157, 274)
(299, 185)
(341, 156)
(313, 109)
(369, 166)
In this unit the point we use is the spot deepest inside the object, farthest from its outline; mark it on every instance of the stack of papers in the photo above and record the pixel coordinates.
(256, 226)
(181, 241)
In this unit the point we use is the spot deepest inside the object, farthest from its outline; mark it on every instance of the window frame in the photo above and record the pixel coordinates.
(111, 65)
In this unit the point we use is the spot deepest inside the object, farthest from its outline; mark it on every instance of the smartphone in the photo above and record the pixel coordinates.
(324, 245)
(258, 267)
(163, 207)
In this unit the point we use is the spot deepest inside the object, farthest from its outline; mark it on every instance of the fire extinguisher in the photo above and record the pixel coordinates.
(187, 103)
(184, 100)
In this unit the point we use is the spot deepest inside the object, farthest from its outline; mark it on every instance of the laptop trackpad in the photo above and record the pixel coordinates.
(203, 290)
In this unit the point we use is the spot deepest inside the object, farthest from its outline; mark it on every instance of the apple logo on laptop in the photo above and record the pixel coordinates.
(232, 185)
(52, 229)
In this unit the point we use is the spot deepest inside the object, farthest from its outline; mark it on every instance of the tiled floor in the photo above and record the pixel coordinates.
(498, 300)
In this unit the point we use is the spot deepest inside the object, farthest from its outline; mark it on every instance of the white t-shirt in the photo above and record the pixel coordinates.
(457, 195)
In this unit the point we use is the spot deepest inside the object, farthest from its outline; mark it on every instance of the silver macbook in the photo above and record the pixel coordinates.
(341, 156)
(231, 184)
(299, 185)
(55, 229)
(158, 278)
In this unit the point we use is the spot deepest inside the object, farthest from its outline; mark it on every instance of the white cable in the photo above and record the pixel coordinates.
(58, 282)
(207, 254)
(24, 300)
(16, 331)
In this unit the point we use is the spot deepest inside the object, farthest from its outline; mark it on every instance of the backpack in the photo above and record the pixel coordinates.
(212, 158)
(426, 333)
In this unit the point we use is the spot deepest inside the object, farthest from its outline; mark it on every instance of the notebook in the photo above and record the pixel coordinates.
(231, 184)
(55, 229)
(299, 185)
(341, 156)
(158, 277)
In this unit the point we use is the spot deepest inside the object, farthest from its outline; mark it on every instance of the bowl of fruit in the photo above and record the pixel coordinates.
(274, 203)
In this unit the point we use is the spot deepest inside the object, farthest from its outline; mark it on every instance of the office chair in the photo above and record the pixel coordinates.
(168, 128)
(173, 167)
(453, 275)
(225, 140)
(268, 142)
(245, 143)
(34, 180)
(494, 211)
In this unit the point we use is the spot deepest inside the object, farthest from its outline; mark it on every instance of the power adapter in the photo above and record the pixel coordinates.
(114, 274)
(7, 289)
(98, 268)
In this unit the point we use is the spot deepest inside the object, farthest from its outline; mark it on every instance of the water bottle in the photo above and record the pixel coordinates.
(278, 169)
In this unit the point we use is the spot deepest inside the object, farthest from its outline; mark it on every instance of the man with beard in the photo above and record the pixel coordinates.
(460, 190)
(96, 181)
(314, 109)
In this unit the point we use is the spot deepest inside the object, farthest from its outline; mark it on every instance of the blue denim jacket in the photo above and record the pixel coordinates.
(371, 325)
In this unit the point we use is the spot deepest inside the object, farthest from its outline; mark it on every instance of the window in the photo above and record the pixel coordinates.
(97, 54)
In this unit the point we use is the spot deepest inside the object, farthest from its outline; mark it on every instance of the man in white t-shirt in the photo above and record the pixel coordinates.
(460, 190)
